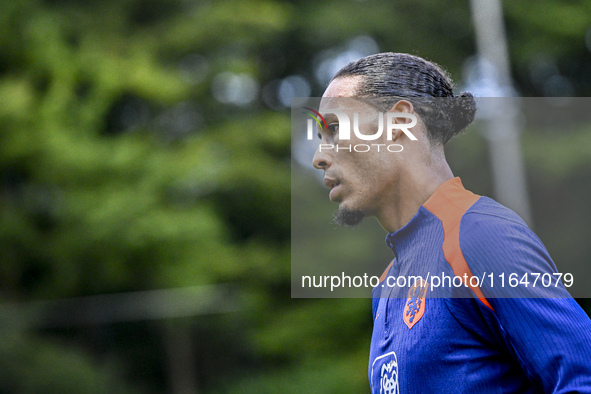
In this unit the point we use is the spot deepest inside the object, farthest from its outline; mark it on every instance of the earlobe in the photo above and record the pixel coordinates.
(396, 134)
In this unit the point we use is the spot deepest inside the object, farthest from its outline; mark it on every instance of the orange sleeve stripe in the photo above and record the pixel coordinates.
(450, 205)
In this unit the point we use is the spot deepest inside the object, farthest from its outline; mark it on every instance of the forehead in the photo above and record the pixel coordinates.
(341, 94)
(343, 87)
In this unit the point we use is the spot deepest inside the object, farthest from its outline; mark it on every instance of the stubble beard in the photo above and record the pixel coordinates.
(348, 217)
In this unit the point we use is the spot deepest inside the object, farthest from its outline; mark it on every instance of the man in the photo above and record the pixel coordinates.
(472, 338)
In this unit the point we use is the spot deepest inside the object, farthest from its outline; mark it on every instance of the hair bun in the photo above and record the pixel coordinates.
(462, 111)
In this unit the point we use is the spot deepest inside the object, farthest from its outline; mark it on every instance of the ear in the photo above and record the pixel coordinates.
(401, 106)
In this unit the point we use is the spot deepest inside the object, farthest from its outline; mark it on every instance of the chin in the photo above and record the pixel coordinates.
(348, 217)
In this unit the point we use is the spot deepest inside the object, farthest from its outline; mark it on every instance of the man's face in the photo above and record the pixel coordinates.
(361, 182)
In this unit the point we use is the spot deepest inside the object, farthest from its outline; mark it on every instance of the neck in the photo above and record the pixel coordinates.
(412, 190)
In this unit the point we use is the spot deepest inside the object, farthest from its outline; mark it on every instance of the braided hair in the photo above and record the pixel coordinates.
(394, 76)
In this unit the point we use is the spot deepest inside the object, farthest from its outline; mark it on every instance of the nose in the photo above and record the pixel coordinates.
(322, 159)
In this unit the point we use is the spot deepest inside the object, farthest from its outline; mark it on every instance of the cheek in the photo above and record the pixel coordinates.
(363, 169)
(366, 161)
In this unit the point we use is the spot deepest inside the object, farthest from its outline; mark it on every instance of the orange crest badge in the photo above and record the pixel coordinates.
(415, 303)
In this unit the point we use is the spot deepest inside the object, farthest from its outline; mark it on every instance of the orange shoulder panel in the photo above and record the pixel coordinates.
(449, 203)
(385, 274)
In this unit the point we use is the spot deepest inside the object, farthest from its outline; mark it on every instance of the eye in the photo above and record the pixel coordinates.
(333, 128)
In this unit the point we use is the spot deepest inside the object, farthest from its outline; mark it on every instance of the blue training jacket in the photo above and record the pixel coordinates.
(482, 333)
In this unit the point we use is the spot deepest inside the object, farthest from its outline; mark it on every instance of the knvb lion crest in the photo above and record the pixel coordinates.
(415, 303)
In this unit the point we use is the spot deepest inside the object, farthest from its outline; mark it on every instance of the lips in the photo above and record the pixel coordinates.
(333, 184)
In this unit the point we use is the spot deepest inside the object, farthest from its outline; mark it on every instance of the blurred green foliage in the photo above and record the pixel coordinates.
(127, 164)
(30, 365)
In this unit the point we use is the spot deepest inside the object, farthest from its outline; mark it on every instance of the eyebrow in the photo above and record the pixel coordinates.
(329, 117)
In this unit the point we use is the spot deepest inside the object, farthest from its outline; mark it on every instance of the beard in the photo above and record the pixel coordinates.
(348, 217)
